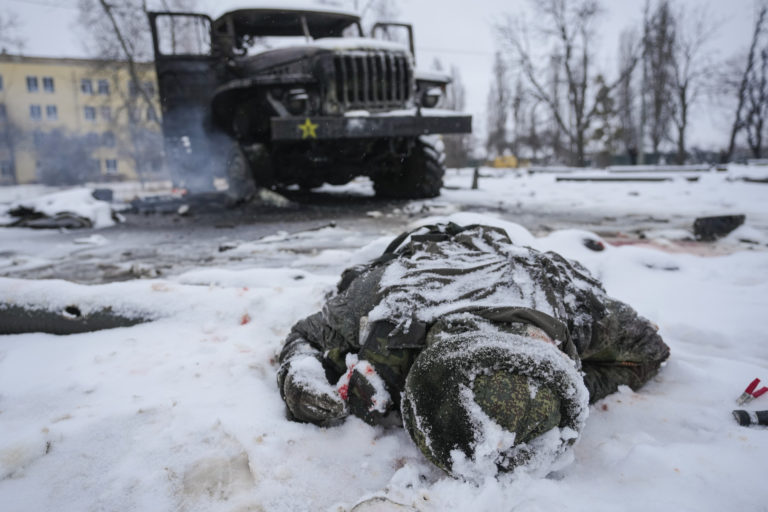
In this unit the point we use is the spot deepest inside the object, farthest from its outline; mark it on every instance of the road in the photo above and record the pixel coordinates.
(296, 233)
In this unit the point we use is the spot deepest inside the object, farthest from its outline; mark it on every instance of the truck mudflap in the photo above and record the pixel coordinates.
(365, 127)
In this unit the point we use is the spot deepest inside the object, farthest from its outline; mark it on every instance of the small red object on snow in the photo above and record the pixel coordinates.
(246, 318)
(750, 394)
(343, 385)
(344, 391)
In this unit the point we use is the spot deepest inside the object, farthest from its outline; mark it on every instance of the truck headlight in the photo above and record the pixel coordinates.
(296, 101)
(331, 107)
(430, 97)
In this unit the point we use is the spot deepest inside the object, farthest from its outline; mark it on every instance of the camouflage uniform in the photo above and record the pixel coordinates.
(446, 282)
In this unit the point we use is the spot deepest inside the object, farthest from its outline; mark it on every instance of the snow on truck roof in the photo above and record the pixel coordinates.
(284, 5)
(356, 43)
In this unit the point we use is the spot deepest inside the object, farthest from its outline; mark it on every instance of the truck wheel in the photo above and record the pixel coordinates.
(421, 174)
(242, 186)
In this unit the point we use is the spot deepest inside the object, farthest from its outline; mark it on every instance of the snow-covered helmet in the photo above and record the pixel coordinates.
(476, 403)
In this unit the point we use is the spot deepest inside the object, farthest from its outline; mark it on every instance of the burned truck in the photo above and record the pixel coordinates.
(279, 97)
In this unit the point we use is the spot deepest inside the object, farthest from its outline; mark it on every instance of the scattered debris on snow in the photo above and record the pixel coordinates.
(68, 209)
(708, 229)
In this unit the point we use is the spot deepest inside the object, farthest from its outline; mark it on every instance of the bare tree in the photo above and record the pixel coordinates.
(518, 115)
(606, 131)
(757, 106)
(569, 29)
(11, 136)
(9, 32)
(10, 133)
(498, 107)
(372, 11)
(457, 147)
(118, 36)
(689, 73)
(627, 97)
(534, 140)
(456, 93)
(658, 56)
(749, 80)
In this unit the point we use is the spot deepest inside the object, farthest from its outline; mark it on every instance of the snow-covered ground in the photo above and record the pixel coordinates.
(183, 413)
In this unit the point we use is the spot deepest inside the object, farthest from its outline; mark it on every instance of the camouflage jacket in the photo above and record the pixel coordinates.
(438, 278)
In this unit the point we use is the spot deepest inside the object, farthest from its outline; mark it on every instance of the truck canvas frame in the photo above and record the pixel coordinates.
(275, 97)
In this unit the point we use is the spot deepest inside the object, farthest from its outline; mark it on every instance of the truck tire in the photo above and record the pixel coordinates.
(242, 186)
(248, 168)
(421, 174)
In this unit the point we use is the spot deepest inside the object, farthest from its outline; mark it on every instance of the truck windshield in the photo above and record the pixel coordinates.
(252, 44)
(268, 22)
(259, 30)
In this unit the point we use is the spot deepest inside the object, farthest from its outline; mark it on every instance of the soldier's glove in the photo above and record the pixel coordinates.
(365, 392)
(307, 393)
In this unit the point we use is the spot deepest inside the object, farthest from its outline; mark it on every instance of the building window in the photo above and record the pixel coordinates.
(3, 113)
(106, 113)
(108, 139)
(6, 169)
(151, 114)
(35, 112)
(111, 165)
(149, 87)
(92, 139)
(103, 86)
(51, 112)
(89, 113)
(32, 83)
(86, 87)
(1, 82)
(48, 84)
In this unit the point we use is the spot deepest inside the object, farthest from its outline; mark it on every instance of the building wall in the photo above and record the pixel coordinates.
(98, 118)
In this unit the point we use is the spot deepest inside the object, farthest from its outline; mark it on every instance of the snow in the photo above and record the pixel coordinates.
(183, 413)
(424, 112)
(78, 201)
(356, 43)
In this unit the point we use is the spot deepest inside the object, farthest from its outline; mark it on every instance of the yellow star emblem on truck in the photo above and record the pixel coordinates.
(308, 130)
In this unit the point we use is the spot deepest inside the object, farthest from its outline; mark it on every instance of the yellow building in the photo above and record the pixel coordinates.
(76, 117)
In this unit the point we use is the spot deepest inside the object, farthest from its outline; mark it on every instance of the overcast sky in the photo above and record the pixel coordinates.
(458, 32)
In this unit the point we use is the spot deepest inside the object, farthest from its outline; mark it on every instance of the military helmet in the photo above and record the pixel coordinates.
(479, 402)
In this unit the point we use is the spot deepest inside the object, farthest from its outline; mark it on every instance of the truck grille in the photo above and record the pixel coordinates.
(372, 80)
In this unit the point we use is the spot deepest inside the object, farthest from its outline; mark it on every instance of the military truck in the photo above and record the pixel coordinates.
(279, 97)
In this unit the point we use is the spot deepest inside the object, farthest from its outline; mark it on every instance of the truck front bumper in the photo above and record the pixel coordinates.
(367, 127)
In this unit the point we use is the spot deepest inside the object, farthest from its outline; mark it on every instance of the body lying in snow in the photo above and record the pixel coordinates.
(488, 353)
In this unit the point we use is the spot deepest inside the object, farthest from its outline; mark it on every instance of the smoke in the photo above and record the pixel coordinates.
(195, 154)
